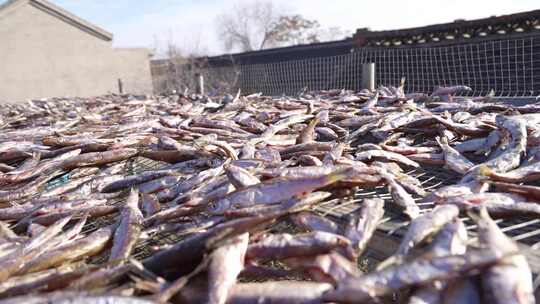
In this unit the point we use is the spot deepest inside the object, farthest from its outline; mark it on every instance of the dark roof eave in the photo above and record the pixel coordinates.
(448, 26)
(292, 48)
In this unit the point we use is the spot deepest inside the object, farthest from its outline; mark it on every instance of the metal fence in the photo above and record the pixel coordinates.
(510, 67)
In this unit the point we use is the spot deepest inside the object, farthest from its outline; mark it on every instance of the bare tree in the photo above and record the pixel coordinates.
(256, 25)
(178, 65)
(248, 26)
(295, 29)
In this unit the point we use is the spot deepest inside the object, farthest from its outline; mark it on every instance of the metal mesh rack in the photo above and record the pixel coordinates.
(525, 230)
(510, 67)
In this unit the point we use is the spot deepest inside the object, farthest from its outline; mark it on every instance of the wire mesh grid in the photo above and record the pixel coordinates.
(431, 178)
(509, 67)
(145, 246)
(525, 230)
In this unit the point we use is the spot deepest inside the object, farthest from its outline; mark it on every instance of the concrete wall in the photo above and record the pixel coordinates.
(133, 68)
(43, 56)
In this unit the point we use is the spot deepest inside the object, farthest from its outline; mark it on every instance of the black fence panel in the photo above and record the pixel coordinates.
(509, 67)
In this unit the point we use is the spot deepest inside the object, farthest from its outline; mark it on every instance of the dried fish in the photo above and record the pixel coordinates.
(416, 272)
(149, 204)
(128, 230)
(276, 190)
(84, 247)
(240, 178)
(330, 268)
(421, 228)
(453, 159)
(385, 156)
(511, 158)
(361, 224)
(226, 263)
(287, 245)
(312, 222)
(267, 292)
(401, 197)
(134, 180)
(451, 240)
(217, 177)
(509, 281)
(501, 204)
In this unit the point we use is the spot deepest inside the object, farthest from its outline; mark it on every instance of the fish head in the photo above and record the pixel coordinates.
(219, 207)
(323, 116)
(213, 162)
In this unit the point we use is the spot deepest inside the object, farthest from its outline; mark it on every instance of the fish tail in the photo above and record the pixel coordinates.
(36, 155)
(411, 213)
(314, 122)
(134, 192)
(392, 260)
(484, 170)
(133, 198)
(478, 214)
(442, 140)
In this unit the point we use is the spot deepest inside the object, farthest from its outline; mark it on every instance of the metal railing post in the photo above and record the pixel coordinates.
(120, 86)
(368, 76)
(199, 79)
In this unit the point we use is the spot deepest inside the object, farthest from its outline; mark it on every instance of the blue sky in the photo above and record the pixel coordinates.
(191, 23)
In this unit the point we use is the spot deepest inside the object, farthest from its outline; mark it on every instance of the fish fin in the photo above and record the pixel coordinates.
(484, 171)
(402, 82)
(410, 214)
(339, 174)
(134, 190)
(238, 94)
(392, 260)
(425, 112)
(204, 141)
(314, 122)
(441, 140)
(36, 155)
(478, 213)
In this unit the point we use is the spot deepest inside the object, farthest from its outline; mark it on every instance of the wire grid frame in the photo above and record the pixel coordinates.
(147, 244)
(509, 67)
(524, 230)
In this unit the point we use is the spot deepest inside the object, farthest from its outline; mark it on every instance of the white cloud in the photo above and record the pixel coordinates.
(391, 14)
(187, 25)
(136, 23)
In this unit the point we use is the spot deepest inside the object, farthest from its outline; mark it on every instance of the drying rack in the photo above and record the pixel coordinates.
(524, 230)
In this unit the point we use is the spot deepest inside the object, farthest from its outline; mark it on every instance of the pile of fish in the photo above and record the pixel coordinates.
(237, 185)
